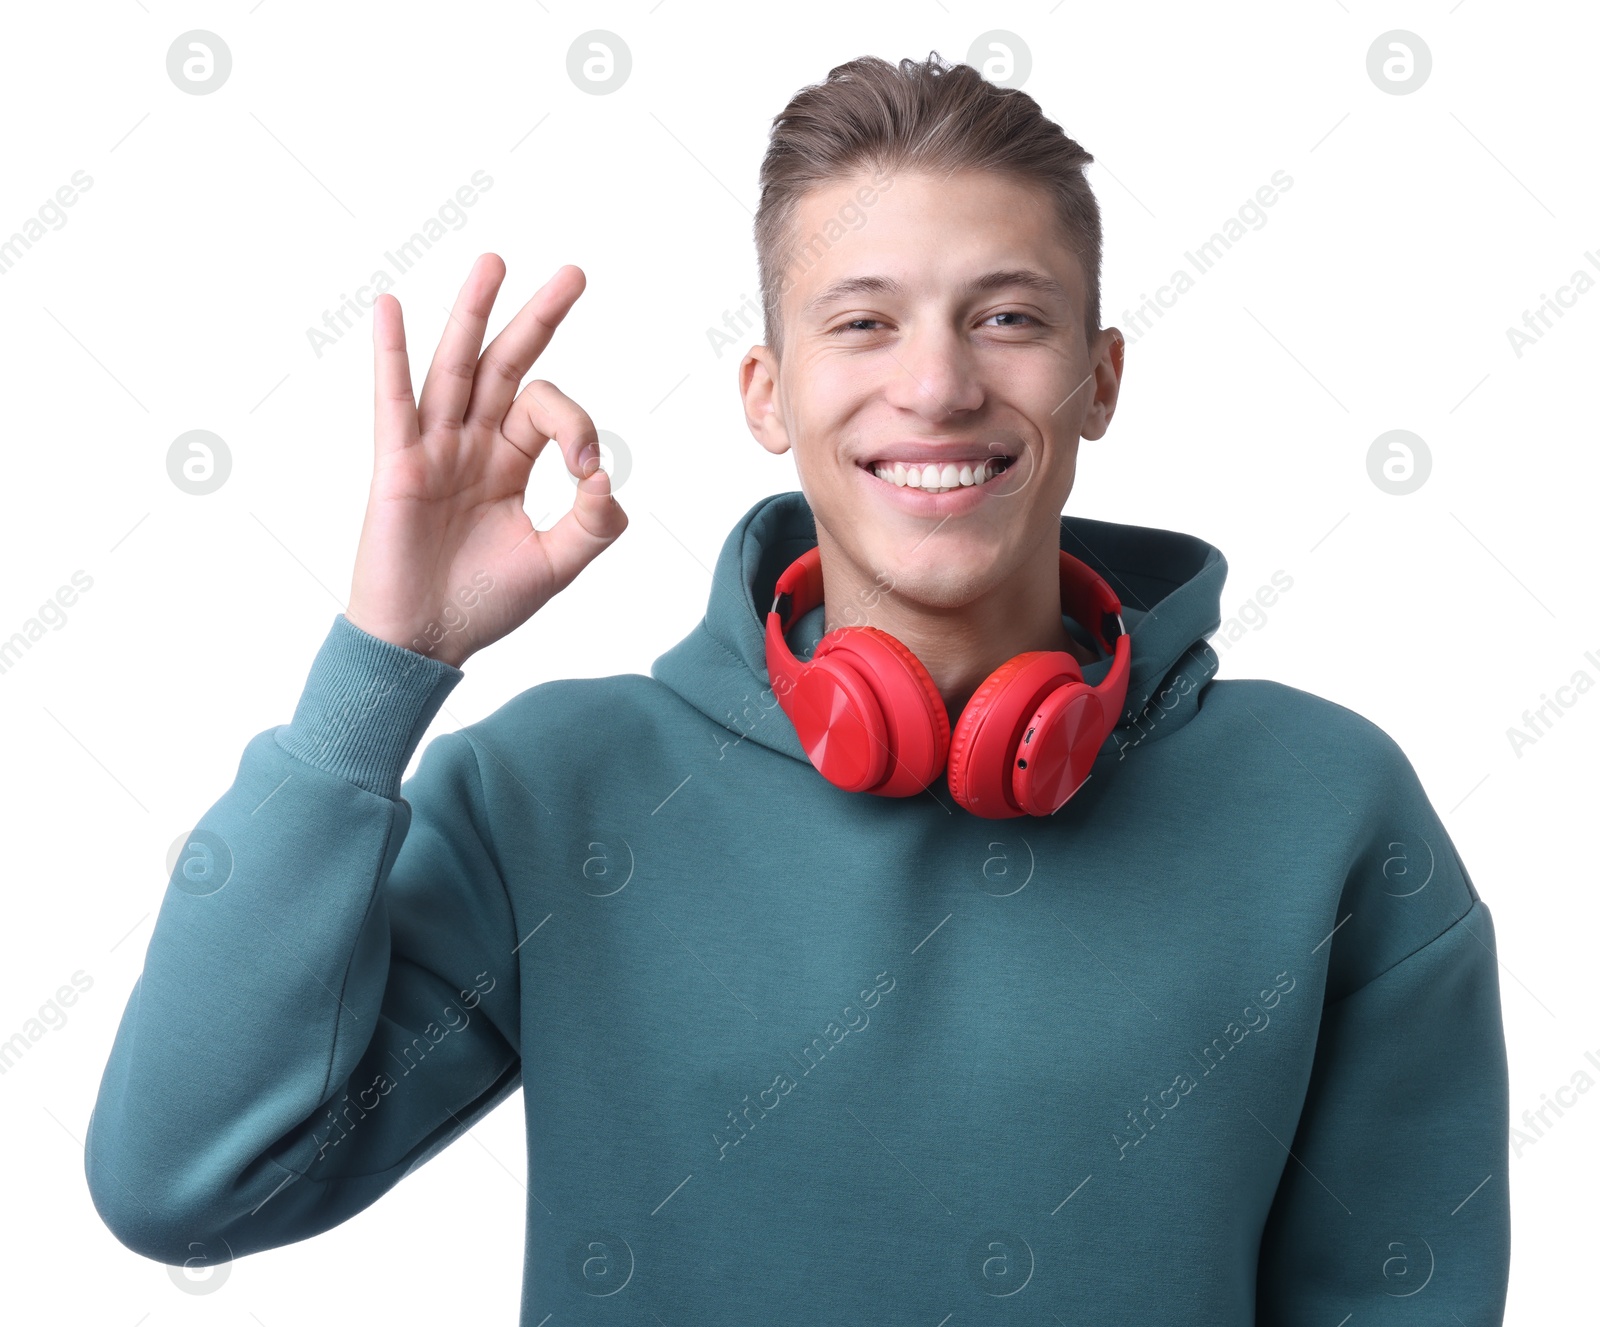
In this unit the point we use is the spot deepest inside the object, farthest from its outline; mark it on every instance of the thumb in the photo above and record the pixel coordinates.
(587, 530)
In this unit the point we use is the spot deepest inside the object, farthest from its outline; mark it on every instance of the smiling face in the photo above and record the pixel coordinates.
(934, 385)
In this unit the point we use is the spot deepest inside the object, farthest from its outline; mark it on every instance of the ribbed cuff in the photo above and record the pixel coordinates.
(365, 706)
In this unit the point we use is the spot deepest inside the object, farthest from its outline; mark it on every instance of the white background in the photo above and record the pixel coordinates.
(219, 228)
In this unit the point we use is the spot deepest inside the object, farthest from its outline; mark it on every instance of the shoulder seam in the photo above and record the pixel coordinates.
(1472, 907)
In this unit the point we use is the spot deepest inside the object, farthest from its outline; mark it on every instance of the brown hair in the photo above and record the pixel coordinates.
(926, 116)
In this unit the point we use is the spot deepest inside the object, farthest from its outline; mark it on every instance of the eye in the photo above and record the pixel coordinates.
(1012, 313)
(849, 326)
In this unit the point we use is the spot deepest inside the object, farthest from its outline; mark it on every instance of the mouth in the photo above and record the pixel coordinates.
(934, 476)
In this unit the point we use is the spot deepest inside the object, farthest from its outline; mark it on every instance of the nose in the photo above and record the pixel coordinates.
(935, 374)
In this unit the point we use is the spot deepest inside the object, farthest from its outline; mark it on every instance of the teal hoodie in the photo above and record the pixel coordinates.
(1219, 1042)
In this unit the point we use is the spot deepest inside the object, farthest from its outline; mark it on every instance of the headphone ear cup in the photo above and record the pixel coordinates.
(983, 746)
(914, 716)
(1067, 733)
(839, 723)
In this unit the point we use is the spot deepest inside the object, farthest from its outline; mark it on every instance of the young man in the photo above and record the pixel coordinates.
(1020, 959)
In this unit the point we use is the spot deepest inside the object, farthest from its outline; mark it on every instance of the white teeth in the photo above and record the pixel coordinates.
(936, 479)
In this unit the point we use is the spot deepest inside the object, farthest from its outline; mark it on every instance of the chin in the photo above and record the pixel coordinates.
(945, 570)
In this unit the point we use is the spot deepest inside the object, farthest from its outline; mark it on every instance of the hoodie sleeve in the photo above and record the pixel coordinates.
(329, 995)
(1394, 1204)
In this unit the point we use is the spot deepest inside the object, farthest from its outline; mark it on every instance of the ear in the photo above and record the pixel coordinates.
(1106, 357)
(758, 386)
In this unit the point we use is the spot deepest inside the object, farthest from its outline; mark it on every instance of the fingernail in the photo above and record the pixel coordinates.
(589, 459)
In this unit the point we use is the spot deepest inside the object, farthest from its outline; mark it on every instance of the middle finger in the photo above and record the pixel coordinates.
(511, 354)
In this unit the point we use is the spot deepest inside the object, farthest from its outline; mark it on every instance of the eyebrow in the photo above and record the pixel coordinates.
(884, 285)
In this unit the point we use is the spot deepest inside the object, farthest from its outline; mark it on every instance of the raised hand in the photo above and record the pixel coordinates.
(448, 560)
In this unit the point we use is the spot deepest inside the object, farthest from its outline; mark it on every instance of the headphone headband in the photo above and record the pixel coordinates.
(1086, 598)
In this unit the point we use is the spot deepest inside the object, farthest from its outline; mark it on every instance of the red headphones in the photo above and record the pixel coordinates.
(871, 720)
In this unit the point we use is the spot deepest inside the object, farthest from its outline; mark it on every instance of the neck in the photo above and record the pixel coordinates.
(962, 645)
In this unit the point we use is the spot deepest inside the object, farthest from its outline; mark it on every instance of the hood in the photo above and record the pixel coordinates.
(1170, 585)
